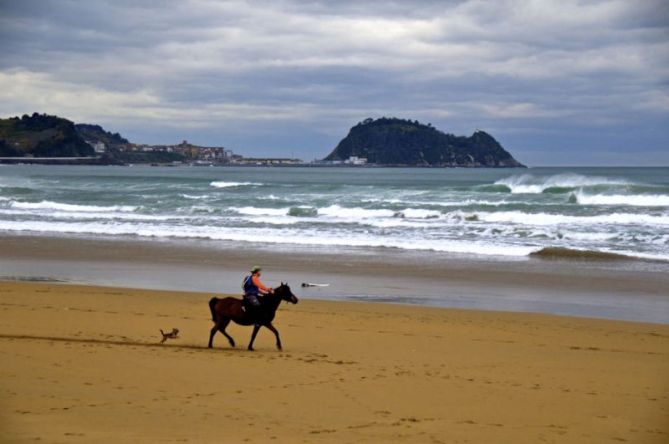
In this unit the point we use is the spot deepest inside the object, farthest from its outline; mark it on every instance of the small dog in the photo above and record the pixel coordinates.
(174, 334)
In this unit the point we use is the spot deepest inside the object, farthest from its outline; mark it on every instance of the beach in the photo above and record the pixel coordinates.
(83, 364)
(447, 307)
(462, 209)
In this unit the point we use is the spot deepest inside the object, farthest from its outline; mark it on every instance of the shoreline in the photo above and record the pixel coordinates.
(574, 287)
(367, 304)
(83, 364)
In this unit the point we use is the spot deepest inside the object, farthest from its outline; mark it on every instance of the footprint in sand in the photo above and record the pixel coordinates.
(316, 432)
(410, 419)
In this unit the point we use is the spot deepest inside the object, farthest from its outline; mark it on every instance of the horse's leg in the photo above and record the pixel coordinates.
(213, 331)
(276, 333)
(253, 336)
(222, 327)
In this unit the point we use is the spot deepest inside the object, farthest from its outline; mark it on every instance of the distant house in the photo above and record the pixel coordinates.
(98, 146)
(355, 160)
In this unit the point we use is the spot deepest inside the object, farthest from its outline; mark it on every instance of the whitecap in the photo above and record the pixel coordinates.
(255, 211)
(355, 213)
(194, 197)
(48, 205)
(420, 213)
(588, 236)
(222, 184)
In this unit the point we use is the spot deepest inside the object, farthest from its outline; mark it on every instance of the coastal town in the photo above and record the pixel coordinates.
(218, 155)
(202, 155)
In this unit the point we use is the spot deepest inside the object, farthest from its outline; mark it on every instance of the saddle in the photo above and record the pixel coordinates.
(254, 311)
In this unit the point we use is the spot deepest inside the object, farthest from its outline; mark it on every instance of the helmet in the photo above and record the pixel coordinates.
(255, 269)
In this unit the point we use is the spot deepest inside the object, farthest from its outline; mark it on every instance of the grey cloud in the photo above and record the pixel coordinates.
(299, 73)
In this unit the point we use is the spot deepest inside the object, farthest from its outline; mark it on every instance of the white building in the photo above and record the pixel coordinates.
(98, 146)
(355, 160)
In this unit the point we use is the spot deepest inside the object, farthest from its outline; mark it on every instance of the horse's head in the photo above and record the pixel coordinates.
(284, 292)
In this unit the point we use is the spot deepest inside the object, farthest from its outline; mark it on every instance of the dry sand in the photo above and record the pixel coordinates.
(83, 364)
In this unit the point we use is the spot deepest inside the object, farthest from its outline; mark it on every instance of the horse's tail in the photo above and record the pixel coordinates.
(212, 307)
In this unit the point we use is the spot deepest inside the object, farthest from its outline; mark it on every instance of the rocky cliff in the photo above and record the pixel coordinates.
(391, 141)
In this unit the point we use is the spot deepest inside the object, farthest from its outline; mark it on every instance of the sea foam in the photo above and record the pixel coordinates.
(638, 200)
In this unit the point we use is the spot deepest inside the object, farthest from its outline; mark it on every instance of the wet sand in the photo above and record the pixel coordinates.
(83, 364)
(624, 290)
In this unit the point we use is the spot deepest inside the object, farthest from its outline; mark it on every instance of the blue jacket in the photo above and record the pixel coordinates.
(249, 286)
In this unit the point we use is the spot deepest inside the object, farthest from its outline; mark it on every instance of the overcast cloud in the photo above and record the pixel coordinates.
(556, 82)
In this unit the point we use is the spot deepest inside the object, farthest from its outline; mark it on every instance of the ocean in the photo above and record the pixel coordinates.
(480, 212)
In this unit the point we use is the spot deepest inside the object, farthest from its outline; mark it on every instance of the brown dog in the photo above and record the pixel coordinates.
(174, 334)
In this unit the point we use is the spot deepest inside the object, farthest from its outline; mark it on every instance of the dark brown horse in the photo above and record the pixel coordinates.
(232, 309)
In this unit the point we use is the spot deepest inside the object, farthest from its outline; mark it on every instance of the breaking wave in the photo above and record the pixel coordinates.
(560, 183)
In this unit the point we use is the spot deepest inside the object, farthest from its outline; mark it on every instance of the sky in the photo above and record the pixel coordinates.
(555, 82)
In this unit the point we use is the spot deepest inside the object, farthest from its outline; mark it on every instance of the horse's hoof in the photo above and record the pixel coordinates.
(250, 349)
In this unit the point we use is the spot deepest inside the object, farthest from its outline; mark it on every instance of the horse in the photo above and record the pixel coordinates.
(232, 309)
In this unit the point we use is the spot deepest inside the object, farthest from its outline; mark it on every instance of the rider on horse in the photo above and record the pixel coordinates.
(253, 289)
